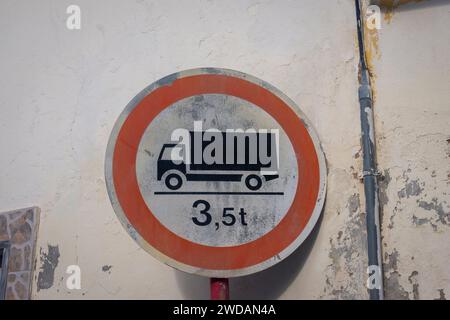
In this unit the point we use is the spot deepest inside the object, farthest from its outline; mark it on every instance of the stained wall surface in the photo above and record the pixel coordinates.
(62, 90)
(411, 78)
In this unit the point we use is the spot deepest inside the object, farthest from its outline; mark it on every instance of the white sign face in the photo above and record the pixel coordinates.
(215, 172)
(236, 214)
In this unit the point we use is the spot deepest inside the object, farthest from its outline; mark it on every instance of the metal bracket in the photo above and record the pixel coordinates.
(365, 173)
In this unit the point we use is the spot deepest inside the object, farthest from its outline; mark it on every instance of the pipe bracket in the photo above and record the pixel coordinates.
(372, 172)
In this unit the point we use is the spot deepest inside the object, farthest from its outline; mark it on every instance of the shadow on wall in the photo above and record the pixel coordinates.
(267, 284)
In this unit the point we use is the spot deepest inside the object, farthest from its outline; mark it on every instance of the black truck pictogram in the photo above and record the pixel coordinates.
(240, 156)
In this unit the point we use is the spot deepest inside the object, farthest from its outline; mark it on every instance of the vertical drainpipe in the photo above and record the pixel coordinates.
(370, 173)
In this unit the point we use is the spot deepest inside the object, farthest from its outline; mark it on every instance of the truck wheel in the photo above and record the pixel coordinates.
(173, 181)
(253, 182)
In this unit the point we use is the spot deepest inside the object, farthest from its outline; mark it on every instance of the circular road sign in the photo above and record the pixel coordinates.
(215, 172)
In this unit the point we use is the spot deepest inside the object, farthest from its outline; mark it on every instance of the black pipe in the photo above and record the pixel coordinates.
(370, 173)
(362, 56)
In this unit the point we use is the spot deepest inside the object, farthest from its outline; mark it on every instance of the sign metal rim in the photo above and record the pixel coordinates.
(227, 273)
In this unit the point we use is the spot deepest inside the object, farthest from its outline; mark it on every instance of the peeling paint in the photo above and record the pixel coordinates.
(441, 295)
(392, 288)
(383, 198)
(353, 203)
(347, 253)
(391, 261)
(49, 262)
(442, 216)
(413, 280)
(411, 189)
(420, 221)
(412, 134)
(382, 188)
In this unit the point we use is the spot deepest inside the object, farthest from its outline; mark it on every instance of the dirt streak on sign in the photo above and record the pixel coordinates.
(215, 172)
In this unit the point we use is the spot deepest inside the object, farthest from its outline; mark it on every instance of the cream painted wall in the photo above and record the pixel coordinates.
(62, 90)
(412, 113)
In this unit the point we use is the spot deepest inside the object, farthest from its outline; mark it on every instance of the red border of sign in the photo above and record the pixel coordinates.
(183, 250)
